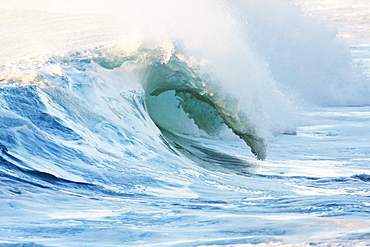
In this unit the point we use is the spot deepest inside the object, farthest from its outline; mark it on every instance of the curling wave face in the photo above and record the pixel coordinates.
(216, 66)
(131, 114)
(193, 92)
(198, 97)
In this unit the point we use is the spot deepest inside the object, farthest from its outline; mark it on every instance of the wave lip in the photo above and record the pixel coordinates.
(204, 103)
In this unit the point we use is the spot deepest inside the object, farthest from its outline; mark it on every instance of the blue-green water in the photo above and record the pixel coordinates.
(138, 124)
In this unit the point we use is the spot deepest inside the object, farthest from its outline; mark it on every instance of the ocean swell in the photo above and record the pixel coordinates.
(120, 124)
(199, 98)
(195, 68)
(217, 60)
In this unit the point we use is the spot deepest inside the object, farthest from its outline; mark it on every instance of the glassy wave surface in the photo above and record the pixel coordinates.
(191, 123)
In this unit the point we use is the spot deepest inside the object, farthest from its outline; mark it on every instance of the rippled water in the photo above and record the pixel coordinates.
(86, 161)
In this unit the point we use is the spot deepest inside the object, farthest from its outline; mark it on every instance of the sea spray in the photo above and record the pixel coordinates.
(306, 56)
(263, 60)
(87, 160)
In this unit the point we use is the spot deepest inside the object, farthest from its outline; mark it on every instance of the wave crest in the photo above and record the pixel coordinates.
(196, 94)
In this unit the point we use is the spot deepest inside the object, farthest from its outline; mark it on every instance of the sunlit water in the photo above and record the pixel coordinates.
(83, 164)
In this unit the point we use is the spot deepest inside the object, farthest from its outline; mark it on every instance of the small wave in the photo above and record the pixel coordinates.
(363, 177)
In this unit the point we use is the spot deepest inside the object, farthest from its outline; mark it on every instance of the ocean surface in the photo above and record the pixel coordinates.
(184, 123)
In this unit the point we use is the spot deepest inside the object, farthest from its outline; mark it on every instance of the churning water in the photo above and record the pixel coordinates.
(168, 123)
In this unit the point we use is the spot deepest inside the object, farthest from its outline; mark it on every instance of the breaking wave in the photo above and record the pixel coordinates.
(109, 101)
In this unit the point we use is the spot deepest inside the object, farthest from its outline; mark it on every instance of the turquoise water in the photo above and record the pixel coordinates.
(184, 124)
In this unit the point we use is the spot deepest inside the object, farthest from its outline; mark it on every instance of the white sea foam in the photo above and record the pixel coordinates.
(265, 56)
(75, 128)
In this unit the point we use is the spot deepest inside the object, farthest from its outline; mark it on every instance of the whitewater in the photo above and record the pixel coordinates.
(185, 123)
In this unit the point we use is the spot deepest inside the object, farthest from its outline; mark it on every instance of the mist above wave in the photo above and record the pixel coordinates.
(266, 54)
